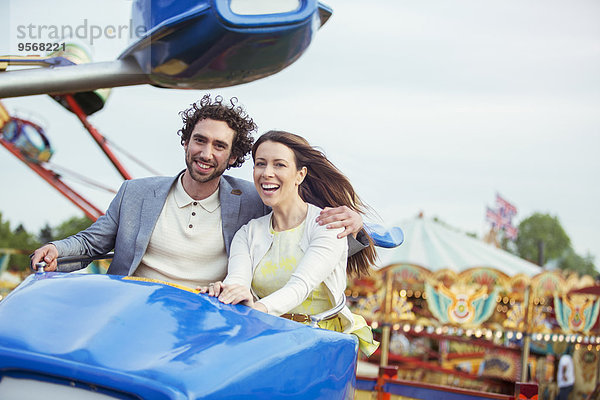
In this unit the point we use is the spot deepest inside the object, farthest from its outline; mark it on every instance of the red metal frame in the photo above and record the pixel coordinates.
(100, 140)
(91, 211)
(381, 385)
(387, 379)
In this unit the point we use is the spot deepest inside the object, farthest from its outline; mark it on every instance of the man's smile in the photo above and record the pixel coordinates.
(203, 165)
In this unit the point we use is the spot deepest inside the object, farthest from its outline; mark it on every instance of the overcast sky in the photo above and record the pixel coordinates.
(426, 106)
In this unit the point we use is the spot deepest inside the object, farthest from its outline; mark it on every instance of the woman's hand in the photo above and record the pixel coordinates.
(213, 289)
(341, 217)
(232, 294)
(236, 294)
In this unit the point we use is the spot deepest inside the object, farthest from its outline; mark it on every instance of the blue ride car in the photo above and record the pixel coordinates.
(86, 336)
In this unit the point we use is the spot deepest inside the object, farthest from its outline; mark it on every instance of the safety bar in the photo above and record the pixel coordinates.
(73, 259)
(327, 314)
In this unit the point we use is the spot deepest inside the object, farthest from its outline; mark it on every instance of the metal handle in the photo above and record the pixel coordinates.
(84, 258)
(315, 319)
(39, 267)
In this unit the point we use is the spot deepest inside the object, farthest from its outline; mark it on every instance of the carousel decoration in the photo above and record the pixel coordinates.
(460, 304)
(472, 309)
(577, 313)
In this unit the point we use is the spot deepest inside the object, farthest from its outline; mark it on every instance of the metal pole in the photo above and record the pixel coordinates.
(541, 253)
(597, 369)
(526, 335)
(385, 331)
(100, 140)
(71, 79)
(385, 345)
(91, 211)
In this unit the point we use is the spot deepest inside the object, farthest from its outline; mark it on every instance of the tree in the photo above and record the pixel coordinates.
(71, 227)
(5, 232)
(46, 234)
(574, 262)
(556, 244)
(509, 245)
(19, 239)
(546, 229)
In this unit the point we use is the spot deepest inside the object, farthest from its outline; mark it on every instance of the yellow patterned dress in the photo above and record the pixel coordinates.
(275, 270)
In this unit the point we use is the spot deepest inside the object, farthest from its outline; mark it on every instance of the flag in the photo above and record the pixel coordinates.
(501, 217)
(495, 217)
(505, 208)
(511, 232)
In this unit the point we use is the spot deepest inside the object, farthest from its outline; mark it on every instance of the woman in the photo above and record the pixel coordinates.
(286, 263)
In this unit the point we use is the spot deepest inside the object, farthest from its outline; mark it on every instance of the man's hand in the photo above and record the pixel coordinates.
(341, 217)
(47, 253)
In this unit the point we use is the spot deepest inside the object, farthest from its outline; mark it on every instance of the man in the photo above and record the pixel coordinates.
(179, 229)
(565, 378)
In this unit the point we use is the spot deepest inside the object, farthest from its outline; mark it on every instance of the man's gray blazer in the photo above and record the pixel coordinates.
(131, 216)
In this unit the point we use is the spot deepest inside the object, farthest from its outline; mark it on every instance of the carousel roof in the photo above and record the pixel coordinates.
(432, 245)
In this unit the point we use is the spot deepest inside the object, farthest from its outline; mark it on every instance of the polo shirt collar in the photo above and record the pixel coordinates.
(210, 204)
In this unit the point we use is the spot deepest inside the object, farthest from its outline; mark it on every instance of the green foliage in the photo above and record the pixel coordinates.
(71, 227)
(574, 262)
(542, 228)
(4, 232)
(19, 239)
(46, 234)
(557, 244)
(509, 245)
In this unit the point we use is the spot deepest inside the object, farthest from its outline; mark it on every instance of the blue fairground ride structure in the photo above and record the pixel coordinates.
(89, 336)
(29, 138)
(76, 336)
(201, 44)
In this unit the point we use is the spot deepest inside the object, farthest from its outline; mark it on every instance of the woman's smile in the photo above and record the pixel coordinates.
(276, 175)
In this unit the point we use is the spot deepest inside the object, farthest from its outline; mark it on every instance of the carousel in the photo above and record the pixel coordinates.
(453, 311)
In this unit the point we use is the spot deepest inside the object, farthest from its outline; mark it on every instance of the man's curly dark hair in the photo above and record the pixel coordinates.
(233, 114)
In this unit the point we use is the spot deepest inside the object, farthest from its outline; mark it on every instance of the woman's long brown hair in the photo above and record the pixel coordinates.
(324, 186)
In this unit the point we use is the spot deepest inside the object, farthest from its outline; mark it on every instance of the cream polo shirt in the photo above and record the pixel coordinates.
(186, 246)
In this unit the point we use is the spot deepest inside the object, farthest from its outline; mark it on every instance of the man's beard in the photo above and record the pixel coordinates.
(217, 172)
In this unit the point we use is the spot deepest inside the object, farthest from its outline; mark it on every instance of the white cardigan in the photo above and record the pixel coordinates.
(324, 260)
